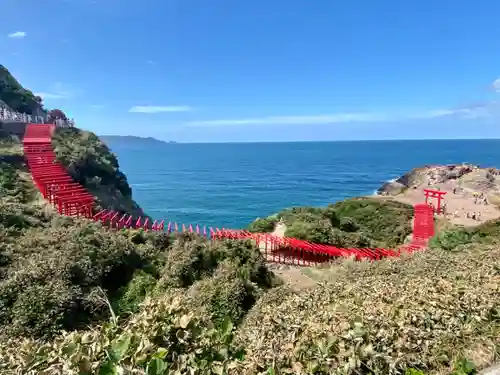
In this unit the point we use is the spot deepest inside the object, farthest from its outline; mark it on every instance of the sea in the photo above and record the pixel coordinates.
(228, 185)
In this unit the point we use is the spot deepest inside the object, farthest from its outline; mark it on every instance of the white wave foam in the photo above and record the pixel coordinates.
(375, 192)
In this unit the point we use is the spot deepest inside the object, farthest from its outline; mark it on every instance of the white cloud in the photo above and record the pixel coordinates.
(57, 92)
(315, 119)
(50, 95)
(468, 113)
(17, 35)
(159, 109)
(472, 112)
(496, 85)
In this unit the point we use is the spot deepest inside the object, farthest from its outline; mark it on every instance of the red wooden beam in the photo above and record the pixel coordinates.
(98, 215)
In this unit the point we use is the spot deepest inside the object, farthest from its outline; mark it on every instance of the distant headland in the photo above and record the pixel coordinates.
(134, 139)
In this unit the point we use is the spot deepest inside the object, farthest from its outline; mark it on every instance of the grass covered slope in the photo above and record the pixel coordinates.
(90, 162)
(357, 222)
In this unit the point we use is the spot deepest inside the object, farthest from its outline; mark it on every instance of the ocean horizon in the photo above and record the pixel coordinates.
(231, 184)
(312, 141)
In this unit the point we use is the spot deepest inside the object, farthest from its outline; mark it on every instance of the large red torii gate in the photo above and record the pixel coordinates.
(438, 194)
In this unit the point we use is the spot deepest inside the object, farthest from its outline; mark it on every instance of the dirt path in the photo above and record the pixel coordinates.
(291, 274)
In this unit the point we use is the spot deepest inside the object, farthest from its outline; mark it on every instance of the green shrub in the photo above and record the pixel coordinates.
(53, 274)
(226, 295)
(164, 337)
(351, 239)
(17, 217)
(187, 261)
(11, 185)
(191, 257)
(386, 222)
(348, 224)
(265, 225)
(450, 239)
(246, 259)
(486, 233)
(319, 232)
(132, 294)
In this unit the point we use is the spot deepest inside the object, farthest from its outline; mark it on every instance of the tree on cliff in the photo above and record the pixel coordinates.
(57, 114)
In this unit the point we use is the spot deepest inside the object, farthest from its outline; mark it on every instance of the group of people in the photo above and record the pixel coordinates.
(480, 198)
(469, 215)
(474, 215)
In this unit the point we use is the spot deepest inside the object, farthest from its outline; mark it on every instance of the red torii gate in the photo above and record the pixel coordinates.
(438, 194)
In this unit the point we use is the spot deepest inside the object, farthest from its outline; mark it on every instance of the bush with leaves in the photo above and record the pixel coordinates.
(12, 186)
(163, 338)
(316, 232)
(53, 276)
(192, 258)
(226, 295)
(263, 225)
(386, 222)
(452, 238)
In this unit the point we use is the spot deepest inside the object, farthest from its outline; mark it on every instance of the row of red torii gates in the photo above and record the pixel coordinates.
(72, 199)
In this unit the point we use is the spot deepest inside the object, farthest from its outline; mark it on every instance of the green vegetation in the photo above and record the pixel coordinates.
(17, 97)
(358, 222)
(77, 298)
(90, 162)
(60, 274)
(455, 237)
(427, 312)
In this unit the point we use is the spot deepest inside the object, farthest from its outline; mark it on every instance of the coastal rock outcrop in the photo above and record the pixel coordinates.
(430, 175)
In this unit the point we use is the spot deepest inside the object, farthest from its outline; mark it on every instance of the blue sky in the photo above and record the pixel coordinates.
(260, 70)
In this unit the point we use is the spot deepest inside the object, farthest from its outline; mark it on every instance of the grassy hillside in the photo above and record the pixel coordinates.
(17, 97)
(358, 222)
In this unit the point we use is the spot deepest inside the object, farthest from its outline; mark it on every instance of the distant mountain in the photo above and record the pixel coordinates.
(130, 139)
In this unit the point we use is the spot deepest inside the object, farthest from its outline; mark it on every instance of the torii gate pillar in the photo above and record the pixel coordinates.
(439, 195)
